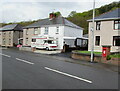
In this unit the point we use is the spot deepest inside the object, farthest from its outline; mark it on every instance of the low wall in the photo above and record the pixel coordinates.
(97, 58)
(25, 48)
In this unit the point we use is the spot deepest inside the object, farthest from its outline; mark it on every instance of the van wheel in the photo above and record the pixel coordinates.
(47, 48)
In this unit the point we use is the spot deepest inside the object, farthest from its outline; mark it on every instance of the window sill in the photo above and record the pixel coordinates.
(116, 46)
(116, 29)
(97, 45)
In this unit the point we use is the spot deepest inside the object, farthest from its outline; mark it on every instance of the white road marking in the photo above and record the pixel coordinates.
(5, 55)
(68, 75)
(24, 61)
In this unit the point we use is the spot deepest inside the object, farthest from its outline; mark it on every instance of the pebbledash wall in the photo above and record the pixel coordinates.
(64, 31)
(106, 34)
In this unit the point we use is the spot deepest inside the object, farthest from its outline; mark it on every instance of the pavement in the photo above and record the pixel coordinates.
(3, 48)
(27, 70)
(67, 57)
(47, 52)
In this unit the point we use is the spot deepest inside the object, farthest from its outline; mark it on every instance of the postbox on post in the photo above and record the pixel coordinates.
(105, 50)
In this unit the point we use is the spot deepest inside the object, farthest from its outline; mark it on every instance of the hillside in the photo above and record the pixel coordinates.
(80, 19)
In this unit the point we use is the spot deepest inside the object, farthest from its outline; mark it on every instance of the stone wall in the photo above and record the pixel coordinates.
(97, 58)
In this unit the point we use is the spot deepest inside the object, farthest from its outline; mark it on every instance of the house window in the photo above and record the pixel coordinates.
(98, 23)
(27, 31)
(57, 30)
(97, 40)
(57, 41)
(9, 34)
(116, 40)
(35, 31)
(4, 41)
(46, 30)
(39, 30)
(117, 24)
(26, 41)
(4, 33)
(9, 41)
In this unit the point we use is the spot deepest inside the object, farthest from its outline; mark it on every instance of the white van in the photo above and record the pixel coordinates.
(43, 42)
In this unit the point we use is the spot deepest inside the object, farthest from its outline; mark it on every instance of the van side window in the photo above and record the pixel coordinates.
(33, 40)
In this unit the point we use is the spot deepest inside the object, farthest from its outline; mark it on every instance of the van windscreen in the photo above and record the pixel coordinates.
(49, 41)
(33, 40)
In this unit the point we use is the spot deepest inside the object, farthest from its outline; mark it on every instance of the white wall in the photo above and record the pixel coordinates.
(72, 32)
(52, 33)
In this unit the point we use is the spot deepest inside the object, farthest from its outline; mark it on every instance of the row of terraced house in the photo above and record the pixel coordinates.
(106, 32)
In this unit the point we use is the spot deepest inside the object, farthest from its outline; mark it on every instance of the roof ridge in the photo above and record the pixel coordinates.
(108, 15)
(107, 12)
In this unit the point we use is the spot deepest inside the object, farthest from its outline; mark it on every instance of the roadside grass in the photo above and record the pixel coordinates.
(88, 52)
(115, 55)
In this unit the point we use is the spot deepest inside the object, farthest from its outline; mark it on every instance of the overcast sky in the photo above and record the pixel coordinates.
(24, 10)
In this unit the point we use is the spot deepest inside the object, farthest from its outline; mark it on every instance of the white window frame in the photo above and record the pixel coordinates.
(57, 30)
(35, 31)
(116, 24)
(46, 30)
(27, 31)
(98, 25)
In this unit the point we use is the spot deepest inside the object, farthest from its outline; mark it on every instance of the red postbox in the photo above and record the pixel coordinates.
(105, 51)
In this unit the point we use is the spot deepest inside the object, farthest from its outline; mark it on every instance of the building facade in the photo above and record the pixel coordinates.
(57, 27)
(106, 32)
(10, 34)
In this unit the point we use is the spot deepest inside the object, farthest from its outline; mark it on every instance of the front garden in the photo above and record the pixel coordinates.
(113, 59)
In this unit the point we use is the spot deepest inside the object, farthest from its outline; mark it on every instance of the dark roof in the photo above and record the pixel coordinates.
(55, 21)
(114, 14)
(11, 27)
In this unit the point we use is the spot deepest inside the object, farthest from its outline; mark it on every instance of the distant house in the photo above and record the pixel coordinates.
(59, 28)
(10, 34)
(107, 31)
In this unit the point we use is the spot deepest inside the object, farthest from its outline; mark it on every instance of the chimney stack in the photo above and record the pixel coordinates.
(52, 15)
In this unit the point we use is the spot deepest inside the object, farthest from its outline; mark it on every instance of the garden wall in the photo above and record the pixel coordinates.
(97, 58)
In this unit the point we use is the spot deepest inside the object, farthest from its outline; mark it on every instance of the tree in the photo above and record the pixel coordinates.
(72, 14)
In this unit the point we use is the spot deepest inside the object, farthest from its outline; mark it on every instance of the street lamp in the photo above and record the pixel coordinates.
(92, 30)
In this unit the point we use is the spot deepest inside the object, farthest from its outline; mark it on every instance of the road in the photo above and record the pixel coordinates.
(27, 70)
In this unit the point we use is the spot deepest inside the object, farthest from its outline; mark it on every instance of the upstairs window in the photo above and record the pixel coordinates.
(9, 34)
(4, 33)
(27, 31)
(98, 23)
(46, 30)
(116, 40)
(97, 40)
(117, 24)
(35, 31)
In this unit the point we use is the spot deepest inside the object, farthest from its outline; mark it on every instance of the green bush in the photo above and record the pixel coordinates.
(108, 57)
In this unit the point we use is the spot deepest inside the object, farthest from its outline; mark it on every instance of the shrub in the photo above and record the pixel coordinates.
(108, 57)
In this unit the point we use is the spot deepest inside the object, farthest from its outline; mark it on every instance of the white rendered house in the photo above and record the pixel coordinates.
(59, 28)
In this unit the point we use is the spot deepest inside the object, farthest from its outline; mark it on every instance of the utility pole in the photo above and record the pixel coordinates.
(92, 32)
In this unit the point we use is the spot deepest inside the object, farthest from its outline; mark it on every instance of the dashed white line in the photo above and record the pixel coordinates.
(66, 74)
(5, 55)
(24, 61)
